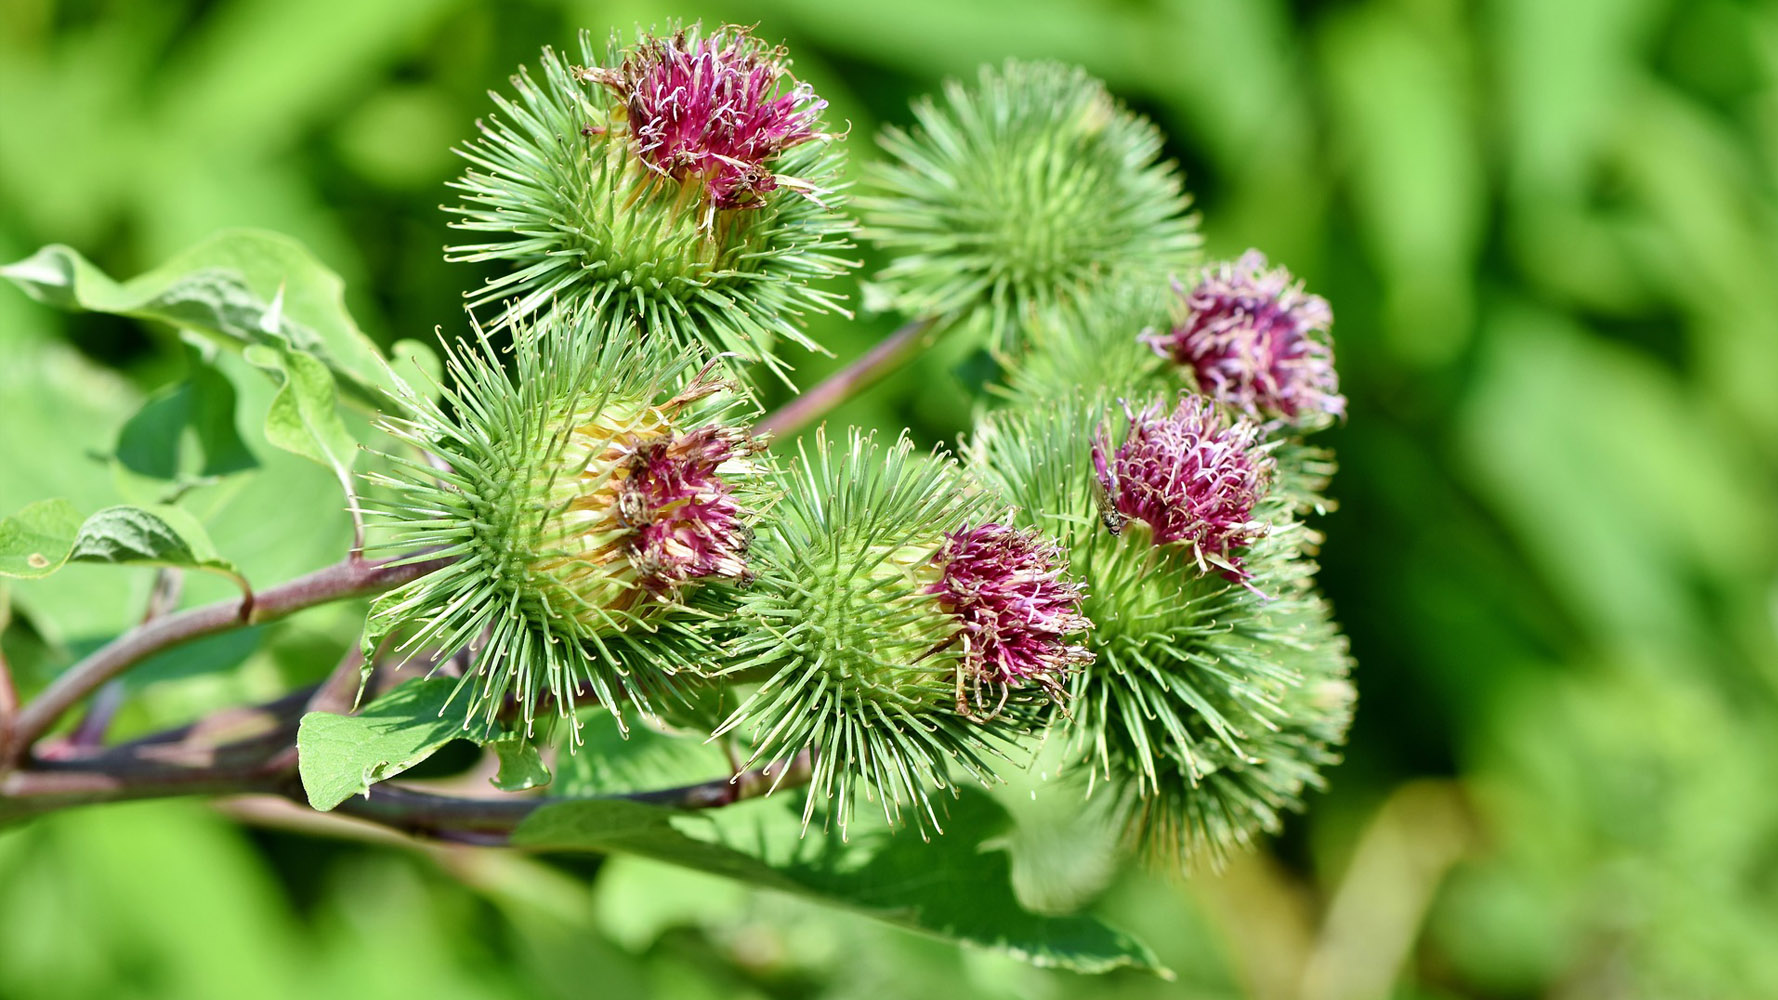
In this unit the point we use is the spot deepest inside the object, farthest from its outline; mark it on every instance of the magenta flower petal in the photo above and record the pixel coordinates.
(1192, 475)
(1014, 609)
(1257, 342)
(686, 523)
(712, 108)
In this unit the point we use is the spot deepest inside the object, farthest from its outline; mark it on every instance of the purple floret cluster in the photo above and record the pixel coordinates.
(1191, 474)
(687, 523)
(713, 109)
(1015, 610)
(1257, 342)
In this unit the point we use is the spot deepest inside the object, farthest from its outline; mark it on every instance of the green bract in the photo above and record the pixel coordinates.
(859, 661)
(558, 187)
(1210, 705)
(1030, 193)
(531, 487)
(1100, 348)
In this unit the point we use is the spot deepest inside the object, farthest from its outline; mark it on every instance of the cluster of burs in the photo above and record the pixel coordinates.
(1113, 570)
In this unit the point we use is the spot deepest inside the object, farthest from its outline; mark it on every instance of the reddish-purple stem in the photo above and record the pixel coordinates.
(889, 354)
(352, 578)
(9, 706)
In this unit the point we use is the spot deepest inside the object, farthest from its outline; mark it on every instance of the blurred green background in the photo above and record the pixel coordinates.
(1549, 229)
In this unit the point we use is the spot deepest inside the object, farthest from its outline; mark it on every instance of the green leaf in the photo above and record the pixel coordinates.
(339, 756)
(34, 542)
(521, 766)
(956, 886)
(225, 288)
(609, 763)
(45, 536)
(304, 416)
(153, 442)
(157, 536)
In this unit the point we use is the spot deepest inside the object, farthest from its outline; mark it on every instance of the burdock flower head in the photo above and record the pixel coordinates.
(644, 509)
(897, 635)
(1254, 340)
(685, 181)
(1209, 705)
(686, 523)
(1191, 475)
(1014, 610)
(588, 499)
(714, 110)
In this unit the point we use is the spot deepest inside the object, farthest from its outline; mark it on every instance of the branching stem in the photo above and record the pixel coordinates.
(352, 578)
(180, 762)
(9, 708)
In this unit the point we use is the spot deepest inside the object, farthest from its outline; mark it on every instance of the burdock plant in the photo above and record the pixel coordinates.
(591, 554)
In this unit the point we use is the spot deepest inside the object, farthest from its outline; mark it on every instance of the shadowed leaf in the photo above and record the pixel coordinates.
(954, 886)
(339, 756)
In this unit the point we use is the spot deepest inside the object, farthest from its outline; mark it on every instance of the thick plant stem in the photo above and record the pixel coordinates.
(352, 578)
(429, 814)
(170, 765)
(132, 776)
(91, 729)
(9, 708)
(889, 354)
